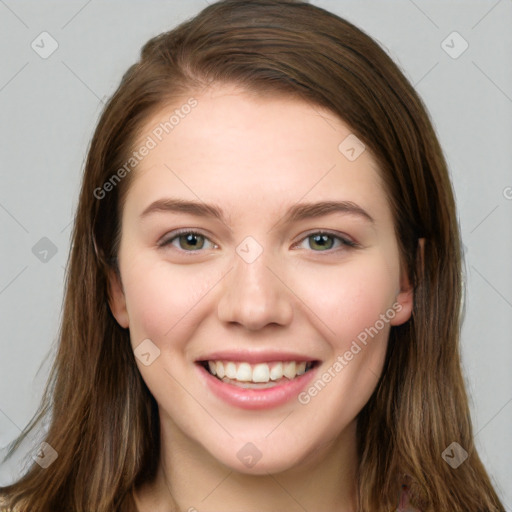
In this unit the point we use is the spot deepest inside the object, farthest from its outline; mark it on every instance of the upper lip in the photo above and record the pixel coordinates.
(254, 357)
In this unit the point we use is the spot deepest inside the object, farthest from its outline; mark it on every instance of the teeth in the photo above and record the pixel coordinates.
(261, 373)
(230, 369)
(219, 367)
(276, 372)
(258, 373)
(244, 372)
(289, 369)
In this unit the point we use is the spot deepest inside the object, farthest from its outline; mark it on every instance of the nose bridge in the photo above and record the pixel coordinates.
(252, 295)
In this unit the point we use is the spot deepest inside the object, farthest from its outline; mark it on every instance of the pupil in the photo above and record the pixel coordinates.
(321, 240)
(191, 239)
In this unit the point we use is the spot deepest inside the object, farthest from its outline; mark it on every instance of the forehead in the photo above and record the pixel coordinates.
(242, 148)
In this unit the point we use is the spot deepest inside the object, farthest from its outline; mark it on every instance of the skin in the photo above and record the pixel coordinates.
(255, 157)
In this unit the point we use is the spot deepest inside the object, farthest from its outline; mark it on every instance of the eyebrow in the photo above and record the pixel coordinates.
(295, 213)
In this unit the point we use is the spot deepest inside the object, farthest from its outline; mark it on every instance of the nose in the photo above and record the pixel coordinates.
(253, 295)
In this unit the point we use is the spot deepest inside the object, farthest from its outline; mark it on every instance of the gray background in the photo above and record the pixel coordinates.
(49, 108)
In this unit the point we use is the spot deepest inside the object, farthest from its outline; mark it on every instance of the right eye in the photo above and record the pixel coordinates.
(187, 240)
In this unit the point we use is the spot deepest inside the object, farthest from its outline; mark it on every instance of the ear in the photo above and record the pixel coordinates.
(116, 299)
(405, 299)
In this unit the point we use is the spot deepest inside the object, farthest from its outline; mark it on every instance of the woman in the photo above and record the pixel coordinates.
(263, 296)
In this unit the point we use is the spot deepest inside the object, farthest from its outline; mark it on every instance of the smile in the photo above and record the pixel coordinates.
(256, 386)
(261, 375)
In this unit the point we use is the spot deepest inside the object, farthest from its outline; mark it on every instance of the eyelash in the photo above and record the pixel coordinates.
(345, 242)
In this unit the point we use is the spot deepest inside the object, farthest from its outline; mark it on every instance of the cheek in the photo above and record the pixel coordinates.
(350, 297)
(162, 300)
(357, 306)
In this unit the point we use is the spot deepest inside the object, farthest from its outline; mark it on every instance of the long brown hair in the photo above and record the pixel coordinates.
(104, 421)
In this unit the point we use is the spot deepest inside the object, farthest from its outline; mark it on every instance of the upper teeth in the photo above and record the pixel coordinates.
(262, 372)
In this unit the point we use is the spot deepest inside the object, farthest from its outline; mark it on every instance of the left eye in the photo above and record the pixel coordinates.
(326, 241)
(189, 241)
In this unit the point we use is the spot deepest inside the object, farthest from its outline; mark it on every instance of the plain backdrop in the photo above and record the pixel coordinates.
(50, 104)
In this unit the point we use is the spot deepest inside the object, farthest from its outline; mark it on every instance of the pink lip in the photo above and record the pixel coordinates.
(253, 357)
(255, 398)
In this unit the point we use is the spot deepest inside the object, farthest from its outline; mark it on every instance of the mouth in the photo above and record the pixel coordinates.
(257, 376)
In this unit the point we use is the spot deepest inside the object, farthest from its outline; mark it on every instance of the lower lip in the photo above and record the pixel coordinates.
(256, 398)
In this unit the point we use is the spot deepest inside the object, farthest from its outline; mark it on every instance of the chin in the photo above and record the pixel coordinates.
(259, 457)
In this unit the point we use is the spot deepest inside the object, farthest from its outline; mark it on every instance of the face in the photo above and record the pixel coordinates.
(289, 303)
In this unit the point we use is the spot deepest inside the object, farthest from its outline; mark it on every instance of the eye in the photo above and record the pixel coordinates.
(193, 241)
(325, 242)
(188, 241)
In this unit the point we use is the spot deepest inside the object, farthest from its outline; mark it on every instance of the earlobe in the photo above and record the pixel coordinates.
(405, 299)
(116, 299)
(403, 306)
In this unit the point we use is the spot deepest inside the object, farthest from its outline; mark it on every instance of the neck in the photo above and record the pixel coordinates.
(190, 479)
